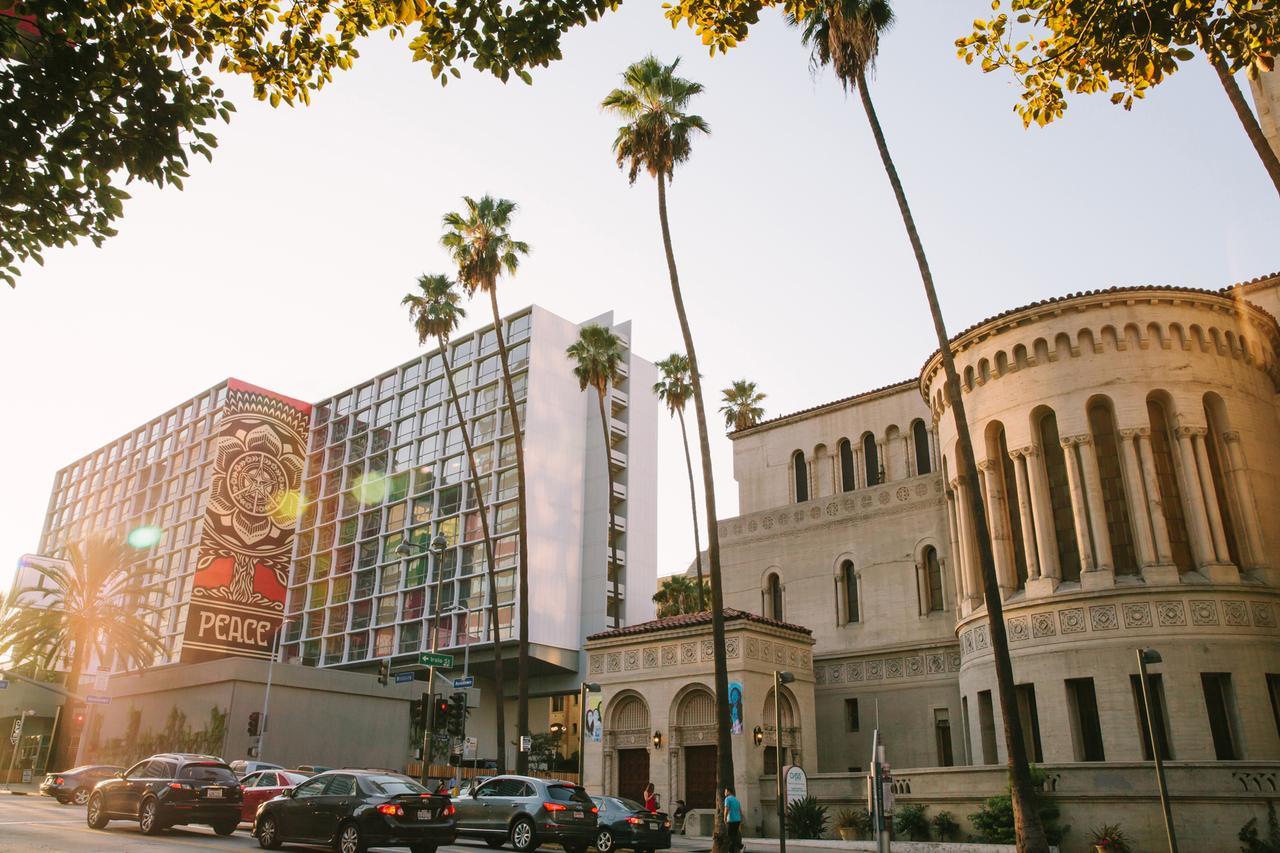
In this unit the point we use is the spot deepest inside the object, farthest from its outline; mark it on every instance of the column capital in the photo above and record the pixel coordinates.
(1134, 432)
(987, 465)
(1026, 452)
(1082, 438)
(954, 484)
(1188, 431)
(1231, 436)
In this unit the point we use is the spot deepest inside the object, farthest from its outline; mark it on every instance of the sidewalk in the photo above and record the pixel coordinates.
(20, 790)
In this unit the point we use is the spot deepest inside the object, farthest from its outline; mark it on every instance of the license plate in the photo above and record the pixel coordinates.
(213, 793)
(578, 815)
(653, 826)
(424, 814)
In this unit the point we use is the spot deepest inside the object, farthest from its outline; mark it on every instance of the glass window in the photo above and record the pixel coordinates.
(800, 476)
(391, 786)
(341, 786)
(848, 476)
(219, 773)
(933, 576)
(1219, 701)
(506, 519)
(311, 788)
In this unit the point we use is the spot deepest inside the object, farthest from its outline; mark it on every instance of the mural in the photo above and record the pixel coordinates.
(735, 707)
(238, 592)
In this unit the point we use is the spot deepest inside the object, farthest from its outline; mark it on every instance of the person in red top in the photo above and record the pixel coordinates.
(650, 799)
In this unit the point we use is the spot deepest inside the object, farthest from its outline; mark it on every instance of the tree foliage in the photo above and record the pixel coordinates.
(741, 405)
(1057, 47)
(678, 595)
(721, 24)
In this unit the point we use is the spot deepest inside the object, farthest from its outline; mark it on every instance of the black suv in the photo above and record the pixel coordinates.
(170, 789)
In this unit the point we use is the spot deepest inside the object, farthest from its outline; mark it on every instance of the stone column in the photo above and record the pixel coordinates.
(1244, 499)
(1222, 570)
(1136, 499)
(957, 559)
(881, 452)
(1079, 510)
(1046, 539)
(998, 522)
(1193, 497)
(1155, 513)
(968, 546)
(908, 458)
(1024, 514)
(1104, 574)
(859, 477)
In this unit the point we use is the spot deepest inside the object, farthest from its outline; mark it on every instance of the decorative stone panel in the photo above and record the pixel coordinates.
(1137, 614)
(1103, 617)
(1019, 629)
(615, 662)
(650, 658)
(1204, 612)
(631, 660)
(855, 671)
(597, 664)
(935, 663)
(1042, 625)
(875, 670)
(1071, 620)
(753, 648)
(915, 666)
(893, 668)
(708, 650)
(732, 647)
(1235, 613)
(1170, 613)
(688, 653)
(1264, 616)
(668, 655)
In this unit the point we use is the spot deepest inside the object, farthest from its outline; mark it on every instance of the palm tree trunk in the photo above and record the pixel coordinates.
(723, 744)
(693, 503)
(500, 717)
(608, 506)
(1030, 832)
(1270, 161)
(62, 750)
(522, 605)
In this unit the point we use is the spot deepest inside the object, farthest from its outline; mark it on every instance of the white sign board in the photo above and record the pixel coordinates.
(469, 749)
(100, 682)
(526, 743)
(795, 783)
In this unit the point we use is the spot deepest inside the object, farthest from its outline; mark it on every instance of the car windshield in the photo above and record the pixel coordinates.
(628, 805)
(392, 785)
(569, 794)
(291, 778)
(209, 773)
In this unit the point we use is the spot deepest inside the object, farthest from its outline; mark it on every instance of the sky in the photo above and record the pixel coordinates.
(282, 263)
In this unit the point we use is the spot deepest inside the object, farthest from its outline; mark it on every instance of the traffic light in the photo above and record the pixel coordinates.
(78, 719)
(439, 714)
(255, 723)
(384, 671)
(457, 714)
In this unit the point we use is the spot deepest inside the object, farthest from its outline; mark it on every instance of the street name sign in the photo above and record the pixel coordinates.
(404, 677)
(98, 700)
(433, 659)
(464, 682)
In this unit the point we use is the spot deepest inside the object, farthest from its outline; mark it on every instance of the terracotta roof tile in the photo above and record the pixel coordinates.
(689, 620)
(901, 384)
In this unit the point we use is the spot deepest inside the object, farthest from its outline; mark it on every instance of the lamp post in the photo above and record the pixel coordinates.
(587, 687)
(1146, 656)
(436, 549)
(779, 679)
(266, 696)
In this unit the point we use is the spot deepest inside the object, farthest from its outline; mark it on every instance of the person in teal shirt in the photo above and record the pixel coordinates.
(733, 820)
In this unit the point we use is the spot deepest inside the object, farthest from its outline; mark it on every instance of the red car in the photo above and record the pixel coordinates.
(265, 785)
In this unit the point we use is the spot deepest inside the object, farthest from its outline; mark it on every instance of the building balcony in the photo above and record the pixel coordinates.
(624, 369)
(618, 458)
(617, 429)
(619, 492)
(619, 557)
(619, 524)
(619, 399)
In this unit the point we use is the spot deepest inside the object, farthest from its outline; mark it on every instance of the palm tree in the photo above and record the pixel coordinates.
(679, 594)
(94, 606)
(657, 135)
(845, 34)
(436, 311)
(674, 389)
(483, 249)
(596, 355)
(741, 407)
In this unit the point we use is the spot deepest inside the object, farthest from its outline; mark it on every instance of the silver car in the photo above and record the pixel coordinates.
(526, 812)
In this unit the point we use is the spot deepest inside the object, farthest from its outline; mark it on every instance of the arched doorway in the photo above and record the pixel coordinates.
(694, 734)
(790, 732)
(627, 745)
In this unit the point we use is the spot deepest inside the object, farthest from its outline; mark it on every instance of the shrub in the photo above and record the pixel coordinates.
(909, 822)
(856, 819)
(945, 826)
(1109, 837)
(806, 818)
(1249, 834)
(994, 821)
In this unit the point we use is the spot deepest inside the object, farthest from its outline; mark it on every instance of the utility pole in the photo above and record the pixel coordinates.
(779, 679)
(1146, 656)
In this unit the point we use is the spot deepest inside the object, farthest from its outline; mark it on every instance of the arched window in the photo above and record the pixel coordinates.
(849, 580)
(1162, 450)
(1055, 468)
(871, 458)
(848, 476)
(1106, 445)
(800, 473)
(773, 596)
(920, 437)
(933, 577)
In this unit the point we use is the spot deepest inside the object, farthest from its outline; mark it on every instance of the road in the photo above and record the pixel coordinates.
(34, 823)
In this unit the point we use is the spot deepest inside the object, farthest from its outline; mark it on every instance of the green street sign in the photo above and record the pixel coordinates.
(433, 659)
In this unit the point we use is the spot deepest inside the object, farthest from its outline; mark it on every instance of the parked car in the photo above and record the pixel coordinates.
(244, 768)
(169, 789)
(74, 785)
(627, 824)
(352, 810)
(265, 785)
(468, 785)
(528, 812)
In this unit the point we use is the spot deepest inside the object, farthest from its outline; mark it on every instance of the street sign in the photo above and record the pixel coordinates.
(526, 743)
(98, 700)
(4, 685)
(404, 677)
(100, 682)
(433, 659)
(15, 734)
(469, 749)
(464, 683)
(795, 783)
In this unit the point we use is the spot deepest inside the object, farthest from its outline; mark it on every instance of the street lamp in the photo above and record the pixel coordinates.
(266, 695)
(436, 549)
(1146, 656)
(779, 679)
(758, 735)
(587, 687)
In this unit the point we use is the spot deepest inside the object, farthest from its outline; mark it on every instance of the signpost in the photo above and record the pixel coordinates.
(880, 795)
(796, 783)
(526, 743)
(434, 659)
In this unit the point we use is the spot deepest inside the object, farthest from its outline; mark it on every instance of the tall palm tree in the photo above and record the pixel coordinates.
(674, 389)
(436, 311)
(741, 407)
(95, 605)
(596, 355)
(845, 34)
(679, 594)
(483, 249)
(656, 137)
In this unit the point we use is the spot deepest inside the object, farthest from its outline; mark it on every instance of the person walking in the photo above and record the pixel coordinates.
(650, 799)
(733, 821)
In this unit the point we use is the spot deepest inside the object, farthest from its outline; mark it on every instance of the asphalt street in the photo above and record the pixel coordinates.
(35, 823)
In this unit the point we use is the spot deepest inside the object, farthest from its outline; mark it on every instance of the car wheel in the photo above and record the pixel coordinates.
(225, 828)
(149, 816)
(268, 834)
(96, 815)
(62, 801)
(495, 843)
(523, 838)
(80, 797)
(349, 839)
(604, 841)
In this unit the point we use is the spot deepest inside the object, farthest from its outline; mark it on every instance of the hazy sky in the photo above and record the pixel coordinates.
(283, 261)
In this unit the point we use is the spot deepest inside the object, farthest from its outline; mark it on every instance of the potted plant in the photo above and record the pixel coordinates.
(853, 824)
(1109, 838)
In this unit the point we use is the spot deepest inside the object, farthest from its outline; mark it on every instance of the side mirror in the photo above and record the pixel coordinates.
(120, 774)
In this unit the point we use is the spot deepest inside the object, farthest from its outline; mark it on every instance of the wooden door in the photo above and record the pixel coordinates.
(633, 773)
(700, 777)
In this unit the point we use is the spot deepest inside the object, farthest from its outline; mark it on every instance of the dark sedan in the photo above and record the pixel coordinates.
(352, 810)
(168, 790)
(625, 824)
(75, 785)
